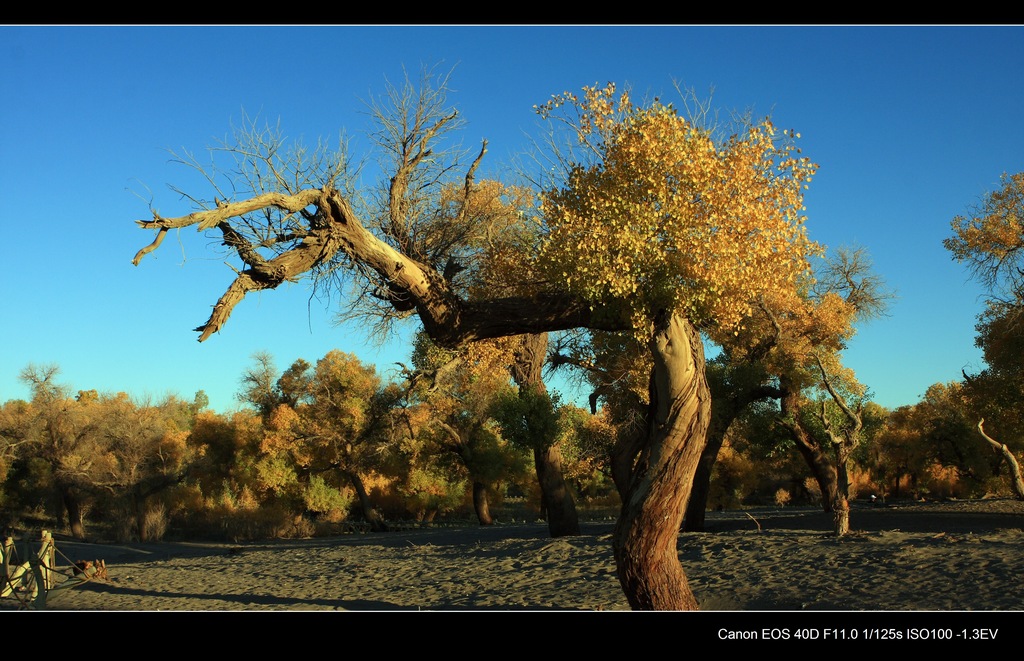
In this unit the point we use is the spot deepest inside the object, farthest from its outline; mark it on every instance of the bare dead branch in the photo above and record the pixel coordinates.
(468, 185)
(1016, 477)
(161, 233)
(209, 218)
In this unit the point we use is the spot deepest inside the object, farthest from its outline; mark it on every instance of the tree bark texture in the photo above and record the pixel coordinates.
(647, 532)
(841, 506)
(841, 516)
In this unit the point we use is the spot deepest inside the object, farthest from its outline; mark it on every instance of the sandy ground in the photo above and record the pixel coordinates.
(965, 556)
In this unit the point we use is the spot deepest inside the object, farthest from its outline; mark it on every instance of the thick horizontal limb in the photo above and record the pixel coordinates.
(227, 210)
(449, 320)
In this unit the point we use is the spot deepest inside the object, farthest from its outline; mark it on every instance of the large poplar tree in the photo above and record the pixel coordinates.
(660, 230)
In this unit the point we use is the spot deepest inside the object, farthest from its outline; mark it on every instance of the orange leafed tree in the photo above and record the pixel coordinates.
(681, 234)
(990, 241)
(661, 230)
(669, 218)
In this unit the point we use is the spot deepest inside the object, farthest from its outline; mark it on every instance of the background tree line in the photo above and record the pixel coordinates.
(321, 447)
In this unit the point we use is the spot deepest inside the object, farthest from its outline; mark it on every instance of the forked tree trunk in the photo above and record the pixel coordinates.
(480, 504)
(833, 496)
(843, 441)
(647, 532)
(821, 466)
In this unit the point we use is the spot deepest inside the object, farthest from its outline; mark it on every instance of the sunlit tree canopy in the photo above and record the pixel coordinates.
(990, 239)
(671, 218)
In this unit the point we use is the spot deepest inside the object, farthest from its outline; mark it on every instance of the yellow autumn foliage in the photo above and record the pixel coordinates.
(990, 238)
(670, 218)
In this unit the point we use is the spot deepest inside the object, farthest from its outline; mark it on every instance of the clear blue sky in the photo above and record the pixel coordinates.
(911, 125)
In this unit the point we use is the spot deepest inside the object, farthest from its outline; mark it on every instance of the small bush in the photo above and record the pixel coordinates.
(328, 503)
(811, 485)
(154, 523)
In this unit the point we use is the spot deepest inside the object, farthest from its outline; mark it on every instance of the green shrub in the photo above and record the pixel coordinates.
(328, 502)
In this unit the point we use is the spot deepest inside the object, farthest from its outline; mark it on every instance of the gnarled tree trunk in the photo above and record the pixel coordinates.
(647, 532)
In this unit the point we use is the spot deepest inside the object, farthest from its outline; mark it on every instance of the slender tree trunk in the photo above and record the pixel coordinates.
(73, 506)
(557, 502)
(139, 506)
(480, 504)
(696, 507)
(726, 405)
(841, 506)
(556, 496)
(371, 515)
(647, 532)
(724, 410)
(822, 468)
(623, 457)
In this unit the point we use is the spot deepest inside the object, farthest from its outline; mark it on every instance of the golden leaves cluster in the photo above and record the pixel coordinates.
(508, 244)
(991, 239)
(672, 219)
